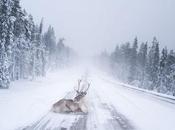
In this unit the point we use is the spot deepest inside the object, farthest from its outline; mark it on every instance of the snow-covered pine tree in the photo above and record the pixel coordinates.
(125, 50)
(27, 45)
(115, 61)
(133, 62)
(141, 61)
(60, 53)
(115, 56)
(49, 40)
(19, 42)
(30, 27)
(6, 28)
(38, 50)
(153, 65)
(170, 73)
(42, 50)
(63, 54)
(162, 71)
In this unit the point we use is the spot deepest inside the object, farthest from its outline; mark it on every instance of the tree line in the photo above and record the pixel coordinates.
(25, 50)
(147, 67)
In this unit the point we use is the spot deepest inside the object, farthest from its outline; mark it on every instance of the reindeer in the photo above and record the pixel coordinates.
(73, 105)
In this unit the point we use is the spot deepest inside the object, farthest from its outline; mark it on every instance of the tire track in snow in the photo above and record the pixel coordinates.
(80, 124)
(56, 121)
(111, 119)
(121, 94)
(118, 118)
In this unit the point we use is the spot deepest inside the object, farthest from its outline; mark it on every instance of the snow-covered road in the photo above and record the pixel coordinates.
(111, 106)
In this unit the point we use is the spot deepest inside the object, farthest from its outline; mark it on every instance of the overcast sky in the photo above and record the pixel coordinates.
(90, 26)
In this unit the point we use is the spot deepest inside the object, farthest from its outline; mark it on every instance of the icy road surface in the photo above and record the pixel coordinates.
(26, 106)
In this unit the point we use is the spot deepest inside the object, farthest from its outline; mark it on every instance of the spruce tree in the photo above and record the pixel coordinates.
(6, 27)
(125, 50)
(19, 42)
(142, 60)
(49, 40)
(162, 71)
(153, 65)
(133, 62)
(170, 73)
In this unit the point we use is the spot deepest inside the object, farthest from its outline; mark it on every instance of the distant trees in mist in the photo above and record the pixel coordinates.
(144, 66)
(25, 50)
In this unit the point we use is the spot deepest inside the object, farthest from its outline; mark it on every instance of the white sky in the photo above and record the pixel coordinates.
(91, 26)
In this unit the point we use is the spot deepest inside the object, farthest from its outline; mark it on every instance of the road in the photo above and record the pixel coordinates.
(114, 107)
(101, 116)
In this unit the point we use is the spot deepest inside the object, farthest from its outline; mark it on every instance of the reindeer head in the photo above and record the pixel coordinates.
(81, 90)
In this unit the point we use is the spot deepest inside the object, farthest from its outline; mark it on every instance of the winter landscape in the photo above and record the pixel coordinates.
(87, 65)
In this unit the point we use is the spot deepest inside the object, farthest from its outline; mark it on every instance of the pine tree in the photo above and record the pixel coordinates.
(30, 34)
(115, 61)
(124, 61)
(170, 73)
(18, 66)
(162, 71)
(153, 65)
(50, 42)
(133, 62)
(142, 60)
(60, 53)
(38, 50)
(115, 56)
(6, 27)
(42, 50)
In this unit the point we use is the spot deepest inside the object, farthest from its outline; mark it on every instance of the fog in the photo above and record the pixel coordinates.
(91, 26)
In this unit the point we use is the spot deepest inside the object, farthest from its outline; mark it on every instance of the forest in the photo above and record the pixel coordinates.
(26, 51)
(143, 65)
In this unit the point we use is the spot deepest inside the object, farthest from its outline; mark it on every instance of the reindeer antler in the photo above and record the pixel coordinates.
(78, 88)
(87, 87)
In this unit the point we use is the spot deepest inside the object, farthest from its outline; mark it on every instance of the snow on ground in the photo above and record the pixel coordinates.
(27, 101)
(111, 106)
(146, 112)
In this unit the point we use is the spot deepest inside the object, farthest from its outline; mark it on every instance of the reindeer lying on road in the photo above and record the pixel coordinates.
(73, 105)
